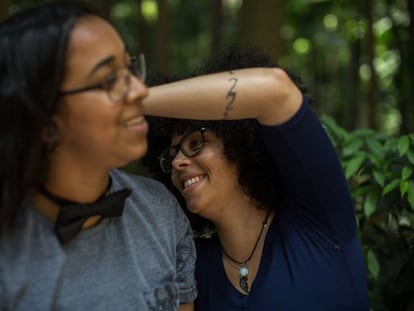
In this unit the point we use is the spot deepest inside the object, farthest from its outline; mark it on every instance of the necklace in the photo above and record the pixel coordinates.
(242, 265)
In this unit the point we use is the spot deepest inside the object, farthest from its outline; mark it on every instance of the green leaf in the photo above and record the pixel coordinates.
(364, 132)
(390, 187)
(379, 177)
(373, 265)
(403, 187)
(403, 145)
(374, 145)
(352, 147)
(370, 203)
(353, 165)
(410, 194)
(335, 132)
(376, 159)
(410, 156)
(390, 143)
(360, 191)
(406, 172)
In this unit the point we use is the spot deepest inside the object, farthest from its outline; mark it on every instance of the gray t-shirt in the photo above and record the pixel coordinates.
(143, 260)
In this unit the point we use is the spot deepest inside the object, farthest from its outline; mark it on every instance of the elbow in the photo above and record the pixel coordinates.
(284, 98)
(285, 86)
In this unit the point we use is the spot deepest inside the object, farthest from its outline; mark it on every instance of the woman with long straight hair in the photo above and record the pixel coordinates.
(77, 233)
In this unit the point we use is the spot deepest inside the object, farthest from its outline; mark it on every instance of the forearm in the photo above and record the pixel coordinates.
(187, 307)
(265, 94)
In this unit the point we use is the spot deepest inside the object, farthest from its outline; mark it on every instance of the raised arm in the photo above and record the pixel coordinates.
(265, 94)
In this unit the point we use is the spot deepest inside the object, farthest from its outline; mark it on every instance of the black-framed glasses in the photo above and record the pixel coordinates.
(190, 145)
(118, 85)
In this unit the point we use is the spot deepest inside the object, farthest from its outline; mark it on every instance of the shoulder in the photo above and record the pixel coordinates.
(137, 183)
(149, 197)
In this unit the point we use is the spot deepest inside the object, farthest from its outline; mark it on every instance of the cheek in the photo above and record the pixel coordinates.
(174, 180)
(89, 132)
(87, 115)
(220, 167)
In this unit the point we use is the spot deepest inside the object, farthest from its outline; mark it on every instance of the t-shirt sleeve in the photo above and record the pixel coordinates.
(186, 258)
(314, 185)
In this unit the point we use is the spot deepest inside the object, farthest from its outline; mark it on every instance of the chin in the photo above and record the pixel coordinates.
(194, 209)
(139, 151)
(131, 156)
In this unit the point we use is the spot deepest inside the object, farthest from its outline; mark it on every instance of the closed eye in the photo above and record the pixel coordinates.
(195, 144)
(109, 81)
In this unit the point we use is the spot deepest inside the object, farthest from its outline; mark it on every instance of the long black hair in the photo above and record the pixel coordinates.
(33, 46)
(242, 140)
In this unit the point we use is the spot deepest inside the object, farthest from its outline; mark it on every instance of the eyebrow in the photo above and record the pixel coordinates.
(103, 62)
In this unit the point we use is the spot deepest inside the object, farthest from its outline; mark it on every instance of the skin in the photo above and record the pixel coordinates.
(265, 94)
(95, 134)
(217, 178)
(215, 194)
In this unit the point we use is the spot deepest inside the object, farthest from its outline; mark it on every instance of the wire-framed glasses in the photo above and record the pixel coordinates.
(118, 85)
(190, 145)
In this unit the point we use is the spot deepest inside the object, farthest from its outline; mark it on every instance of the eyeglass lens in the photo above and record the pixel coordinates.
(190, 145)
(122, 84)
(117, 86)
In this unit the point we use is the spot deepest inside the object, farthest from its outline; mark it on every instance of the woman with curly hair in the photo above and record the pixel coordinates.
(249, 156)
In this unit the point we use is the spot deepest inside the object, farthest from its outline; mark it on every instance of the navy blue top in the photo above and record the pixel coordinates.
(312, 258)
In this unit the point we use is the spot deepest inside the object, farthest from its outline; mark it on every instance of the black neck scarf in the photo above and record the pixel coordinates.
(72, 215)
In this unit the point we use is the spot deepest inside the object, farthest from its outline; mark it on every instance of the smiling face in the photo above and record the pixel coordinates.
(93, 129)
(207, 181)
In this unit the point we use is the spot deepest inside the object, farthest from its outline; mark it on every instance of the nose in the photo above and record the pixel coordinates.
(137, 90)
(180, 161)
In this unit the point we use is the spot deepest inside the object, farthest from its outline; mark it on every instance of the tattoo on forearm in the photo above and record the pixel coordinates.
(231, 95)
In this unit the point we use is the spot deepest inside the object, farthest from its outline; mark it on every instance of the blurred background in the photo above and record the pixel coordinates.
(355, 57)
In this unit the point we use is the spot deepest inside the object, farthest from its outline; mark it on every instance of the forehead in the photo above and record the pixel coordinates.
(177, 137)
(91, 40)
(179, 134)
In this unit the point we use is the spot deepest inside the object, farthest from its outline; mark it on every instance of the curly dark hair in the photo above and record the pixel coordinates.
(242, 140)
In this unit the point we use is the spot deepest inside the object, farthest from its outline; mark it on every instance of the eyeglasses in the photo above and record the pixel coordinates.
(118, 85)
(190, 145)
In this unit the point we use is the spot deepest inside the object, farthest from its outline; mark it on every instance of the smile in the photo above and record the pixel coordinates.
(191, 181)
(133, 121)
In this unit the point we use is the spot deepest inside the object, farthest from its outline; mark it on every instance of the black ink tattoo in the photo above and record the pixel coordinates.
(231, 95)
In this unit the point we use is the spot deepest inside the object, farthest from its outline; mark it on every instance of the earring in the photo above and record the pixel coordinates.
(50, 135)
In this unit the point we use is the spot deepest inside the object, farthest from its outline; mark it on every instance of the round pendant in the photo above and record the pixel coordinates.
(243, 271)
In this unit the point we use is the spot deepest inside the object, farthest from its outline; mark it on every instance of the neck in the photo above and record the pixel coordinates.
(248, 265)
(240, 234)
(72, 183)
(75, 182)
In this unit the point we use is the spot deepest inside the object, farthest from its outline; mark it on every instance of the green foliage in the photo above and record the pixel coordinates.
(379, 169)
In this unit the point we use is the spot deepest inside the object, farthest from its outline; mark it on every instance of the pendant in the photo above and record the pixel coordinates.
(244, 285)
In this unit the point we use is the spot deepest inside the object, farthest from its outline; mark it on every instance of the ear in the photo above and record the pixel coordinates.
(50, 134)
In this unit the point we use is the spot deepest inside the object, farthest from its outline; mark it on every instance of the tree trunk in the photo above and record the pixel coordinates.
(216, 25)
(4, 9)
(261, 21)
(352, 90)
(103, 7)
(372, 93)
(163, 36)
(406, 86)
